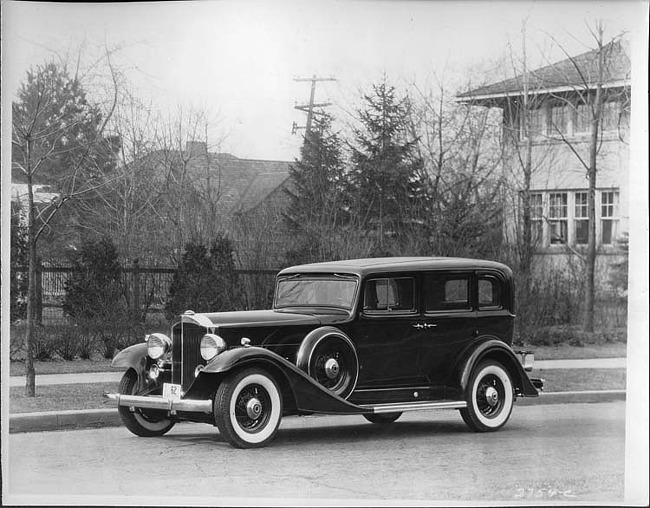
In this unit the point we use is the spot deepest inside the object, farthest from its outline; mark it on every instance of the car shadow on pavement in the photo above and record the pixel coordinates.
(318, 434)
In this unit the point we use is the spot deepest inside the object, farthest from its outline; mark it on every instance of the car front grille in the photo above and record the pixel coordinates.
(186, 353)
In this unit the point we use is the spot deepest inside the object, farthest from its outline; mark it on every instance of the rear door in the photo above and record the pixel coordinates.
(449, 321)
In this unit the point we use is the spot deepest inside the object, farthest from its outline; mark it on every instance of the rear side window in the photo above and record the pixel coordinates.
(389, 295)
(447, 292)
(490, 293)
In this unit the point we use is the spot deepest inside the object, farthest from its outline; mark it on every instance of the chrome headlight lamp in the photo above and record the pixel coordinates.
(158, 345)
(211, 346)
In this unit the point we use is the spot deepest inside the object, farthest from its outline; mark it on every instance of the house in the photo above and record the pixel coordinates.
(552, 104)
(247, 197)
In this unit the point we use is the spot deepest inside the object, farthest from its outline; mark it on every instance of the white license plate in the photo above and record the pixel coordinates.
(172, 391)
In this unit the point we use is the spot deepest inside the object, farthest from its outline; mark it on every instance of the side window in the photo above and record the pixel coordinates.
(447, 292)
(489, 293)
(389, 295)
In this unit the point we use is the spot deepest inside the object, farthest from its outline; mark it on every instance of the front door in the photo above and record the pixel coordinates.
(386, 333)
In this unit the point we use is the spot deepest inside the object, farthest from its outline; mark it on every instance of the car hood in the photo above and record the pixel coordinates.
(251, 318)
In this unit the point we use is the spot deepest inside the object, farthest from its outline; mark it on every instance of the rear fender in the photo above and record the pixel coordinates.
(309, 396)
(495, 349)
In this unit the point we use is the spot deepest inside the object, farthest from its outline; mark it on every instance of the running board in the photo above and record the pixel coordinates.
(414, 406)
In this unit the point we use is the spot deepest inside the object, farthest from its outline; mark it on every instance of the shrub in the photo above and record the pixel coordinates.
(71, 342)
(205, 280)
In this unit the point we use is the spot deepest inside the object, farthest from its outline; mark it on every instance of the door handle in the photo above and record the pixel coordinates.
(421, 326)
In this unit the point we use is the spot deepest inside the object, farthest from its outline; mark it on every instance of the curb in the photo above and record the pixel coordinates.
(96, 418)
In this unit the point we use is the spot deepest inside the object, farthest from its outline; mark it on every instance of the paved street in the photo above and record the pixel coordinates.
(564, 453)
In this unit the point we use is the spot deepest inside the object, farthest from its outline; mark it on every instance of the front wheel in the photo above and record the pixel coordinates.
(489, 397)
(248, 408)
(142, 422)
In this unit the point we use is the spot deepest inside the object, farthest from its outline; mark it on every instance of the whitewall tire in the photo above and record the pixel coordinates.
(489, 396)
(248, 408)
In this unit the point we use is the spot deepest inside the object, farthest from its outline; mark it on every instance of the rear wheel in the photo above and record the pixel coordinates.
(489, 397)
(142, 422)
(382, 418)
(248, 408)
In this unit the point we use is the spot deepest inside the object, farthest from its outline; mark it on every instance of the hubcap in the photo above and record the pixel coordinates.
(254, 408)
(492, 396)
(332, 368)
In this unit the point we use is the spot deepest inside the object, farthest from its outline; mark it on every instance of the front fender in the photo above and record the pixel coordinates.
(309, 396)
(498, 350)
(133, 356)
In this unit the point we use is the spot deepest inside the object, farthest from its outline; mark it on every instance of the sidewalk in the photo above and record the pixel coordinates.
(66, 420)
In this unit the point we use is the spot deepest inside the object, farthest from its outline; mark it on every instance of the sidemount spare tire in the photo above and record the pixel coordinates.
(328, 356)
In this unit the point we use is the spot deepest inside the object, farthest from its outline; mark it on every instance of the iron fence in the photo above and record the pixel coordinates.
(146, 289)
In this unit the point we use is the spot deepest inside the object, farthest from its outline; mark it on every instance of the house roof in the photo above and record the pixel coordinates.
(238, 185)
(565, 74)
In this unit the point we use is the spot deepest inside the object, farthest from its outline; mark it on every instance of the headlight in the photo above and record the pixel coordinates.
(211, 346)
(158, 345)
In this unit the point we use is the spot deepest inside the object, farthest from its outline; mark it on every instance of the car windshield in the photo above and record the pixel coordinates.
(315, 292)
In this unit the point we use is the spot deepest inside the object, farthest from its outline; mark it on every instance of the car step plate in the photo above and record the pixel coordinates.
(415, 406)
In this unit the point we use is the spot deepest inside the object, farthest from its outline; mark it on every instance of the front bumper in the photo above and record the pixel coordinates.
(162, 403)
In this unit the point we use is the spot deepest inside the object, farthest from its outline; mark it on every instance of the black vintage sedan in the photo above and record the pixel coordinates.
(371, 337)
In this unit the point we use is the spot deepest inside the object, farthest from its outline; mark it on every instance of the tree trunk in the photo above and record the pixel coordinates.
(30, 384)
(590, 285)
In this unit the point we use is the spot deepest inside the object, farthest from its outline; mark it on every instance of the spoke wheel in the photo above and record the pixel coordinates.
(490, 398)
(334, 365)
(248, 408)
(142, 422)
(382, 418)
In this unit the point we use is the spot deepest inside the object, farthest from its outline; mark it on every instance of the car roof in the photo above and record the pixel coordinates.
(364, 266)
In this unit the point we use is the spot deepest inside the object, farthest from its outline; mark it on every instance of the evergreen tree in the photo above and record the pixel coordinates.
(205, 280)
(386, 175)
(94, 292)
(316, 200)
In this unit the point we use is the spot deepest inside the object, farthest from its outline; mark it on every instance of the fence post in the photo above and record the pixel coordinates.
(136, 290)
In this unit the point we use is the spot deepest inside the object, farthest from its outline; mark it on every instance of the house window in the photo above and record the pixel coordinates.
(537, 126)
(558, 220)
(581, 220)
(608, 212)
(609, 117)
(559, 120)
(537, 216)
(583, 118)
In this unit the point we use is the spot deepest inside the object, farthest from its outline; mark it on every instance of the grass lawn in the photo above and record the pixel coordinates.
(566, 352)
(61, 398)
(561, 352)
(62, 367)
(89, 396)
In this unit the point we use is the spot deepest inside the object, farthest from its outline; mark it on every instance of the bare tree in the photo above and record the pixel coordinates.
(602, 79)
(462, 153)
(57, 138)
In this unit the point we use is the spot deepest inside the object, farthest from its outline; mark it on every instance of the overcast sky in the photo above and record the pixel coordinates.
(237, 60)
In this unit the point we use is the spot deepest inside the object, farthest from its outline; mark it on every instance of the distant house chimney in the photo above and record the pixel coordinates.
(195, 148)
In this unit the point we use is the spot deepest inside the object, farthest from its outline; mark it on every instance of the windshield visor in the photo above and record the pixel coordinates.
(315, 292)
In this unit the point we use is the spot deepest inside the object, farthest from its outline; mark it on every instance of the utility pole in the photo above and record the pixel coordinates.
(309, 108)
